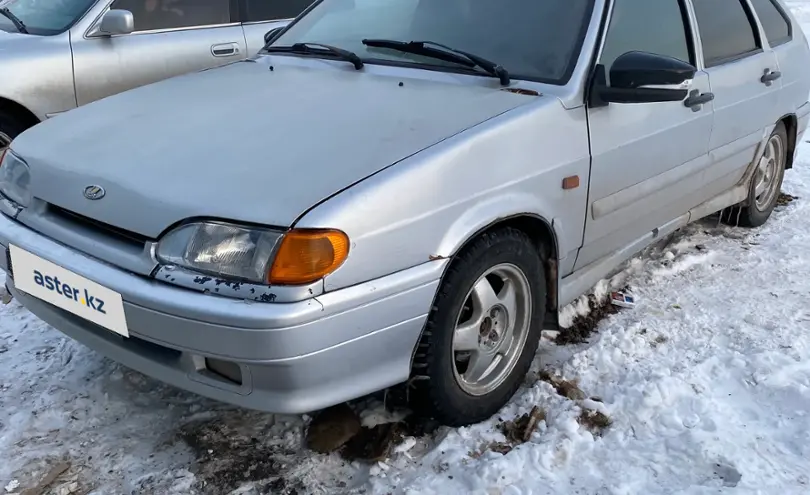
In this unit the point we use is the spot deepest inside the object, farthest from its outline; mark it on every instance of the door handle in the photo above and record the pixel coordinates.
(697, 99)
(225, 49)
(770, 76)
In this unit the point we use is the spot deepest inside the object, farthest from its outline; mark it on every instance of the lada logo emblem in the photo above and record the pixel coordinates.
(94, 192)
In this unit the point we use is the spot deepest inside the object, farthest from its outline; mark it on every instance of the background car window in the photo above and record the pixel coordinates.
(268, 10)
(44, 17)
(656, 27)
(726, 30)
(171, 14)
(774, 22)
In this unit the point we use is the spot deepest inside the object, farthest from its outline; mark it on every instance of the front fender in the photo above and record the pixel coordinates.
(430, 204)
(36, 72)
(490, 211)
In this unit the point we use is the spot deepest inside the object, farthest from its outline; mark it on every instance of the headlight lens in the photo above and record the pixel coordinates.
(298, 257)
(15, 179)
(224, 250)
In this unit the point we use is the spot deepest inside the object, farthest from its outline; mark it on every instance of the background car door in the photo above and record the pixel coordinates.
(646, 157)
(260, 16)
(736, 60)
(171, 37)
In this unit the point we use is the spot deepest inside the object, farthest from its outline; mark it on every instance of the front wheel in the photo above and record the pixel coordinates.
(765, 184)
(483, 330)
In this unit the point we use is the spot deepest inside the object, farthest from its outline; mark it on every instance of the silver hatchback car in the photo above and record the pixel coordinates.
(58, 54)
(397, 190)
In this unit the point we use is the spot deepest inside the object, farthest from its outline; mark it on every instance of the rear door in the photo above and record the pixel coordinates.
(260, 16)
(791, 55)
(171, 37)
(743, 73)
(647, 158)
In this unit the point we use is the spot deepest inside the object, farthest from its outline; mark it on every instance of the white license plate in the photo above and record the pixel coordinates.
(64, 289)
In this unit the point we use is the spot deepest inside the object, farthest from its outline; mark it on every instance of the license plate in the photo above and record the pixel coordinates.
(66, 290)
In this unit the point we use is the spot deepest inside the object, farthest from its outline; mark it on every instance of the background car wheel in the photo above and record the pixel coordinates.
(483, 330)
(10, 127)
(765, 185)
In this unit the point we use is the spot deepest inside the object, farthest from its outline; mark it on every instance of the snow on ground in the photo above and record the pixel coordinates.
(706, 382)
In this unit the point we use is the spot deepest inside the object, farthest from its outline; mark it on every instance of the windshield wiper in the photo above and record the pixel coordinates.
(445, 53)
(320, 49)
(14, 20)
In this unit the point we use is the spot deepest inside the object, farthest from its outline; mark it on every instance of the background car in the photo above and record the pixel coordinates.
(56, 55)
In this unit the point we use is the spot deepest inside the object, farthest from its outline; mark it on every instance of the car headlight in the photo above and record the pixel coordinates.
(253, 254)
(15, 179)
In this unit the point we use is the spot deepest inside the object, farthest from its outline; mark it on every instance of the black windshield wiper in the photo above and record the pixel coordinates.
(14, 20)
(443, 52)
(320, 49)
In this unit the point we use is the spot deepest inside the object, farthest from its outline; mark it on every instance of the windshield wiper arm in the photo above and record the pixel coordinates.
(14, 20)
(444, 53)
(320, 49)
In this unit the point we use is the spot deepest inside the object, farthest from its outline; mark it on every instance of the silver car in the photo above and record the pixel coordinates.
(397, 190)
(58, 54)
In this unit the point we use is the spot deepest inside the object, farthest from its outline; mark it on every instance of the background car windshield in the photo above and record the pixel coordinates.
(44, 17)
(535, 39)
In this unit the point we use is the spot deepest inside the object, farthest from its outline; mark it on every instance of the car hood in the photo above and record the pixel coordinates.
(242, 142)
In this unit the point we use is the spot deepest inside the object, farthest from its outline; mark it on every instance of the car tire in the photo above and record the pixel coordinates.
(490, 306)
(766, 184)
(11, 126)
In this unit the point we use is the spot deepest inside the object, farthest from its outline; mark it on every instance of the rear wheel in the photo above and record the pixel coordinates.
(483, 330)
(765, 184)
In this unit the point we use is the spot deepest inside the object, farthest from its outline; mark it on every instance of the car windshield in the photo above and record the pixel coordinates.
(536, 40)
(44, 17)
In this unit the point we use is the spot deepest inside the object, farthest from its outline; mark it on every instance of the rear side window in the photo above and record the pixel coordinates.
(726, 29)
(773, 20)
(631, 29)
(271, 10)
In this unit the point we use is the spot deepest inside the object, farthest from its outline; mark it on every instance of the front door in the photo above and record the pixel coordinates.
(646, 157)
(171, 37)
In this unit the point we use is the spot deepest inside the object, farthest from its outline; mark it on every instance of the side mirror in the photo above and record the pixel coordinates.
(117, 22)
(269, 35)
(641, 77)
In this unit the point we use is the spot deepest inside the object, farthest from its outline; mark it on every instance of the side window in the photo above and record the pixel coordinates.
(726, 30)
(773, 20)
(270, 10)
(173, 14)
(645, 25)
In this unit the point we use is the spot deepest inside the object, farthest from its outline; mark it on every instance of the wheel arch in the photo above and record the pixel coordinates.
(791, 124)
(18, 110)
(541, 232)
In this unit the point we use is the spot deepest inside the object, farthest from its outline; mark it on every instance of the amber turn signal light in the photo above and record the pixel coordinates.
(306, 255)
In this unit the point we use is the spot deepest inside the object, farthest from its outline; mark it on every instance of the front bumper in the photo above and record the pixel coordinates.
(285, 358)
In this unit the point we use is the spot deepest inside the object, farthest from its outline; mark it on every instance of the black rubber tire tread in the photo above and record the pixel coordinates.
(435, 392)
(747, 214)
(11, 124)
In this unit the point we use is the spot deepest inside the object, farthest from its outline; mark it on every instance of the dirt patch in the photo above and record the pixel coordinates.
(231, 451)
(332, 428)
(785, 199)
(584, 326)
(567, 388)
(516, 431)
(377, 443)
(595, 421)
(374, 444)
